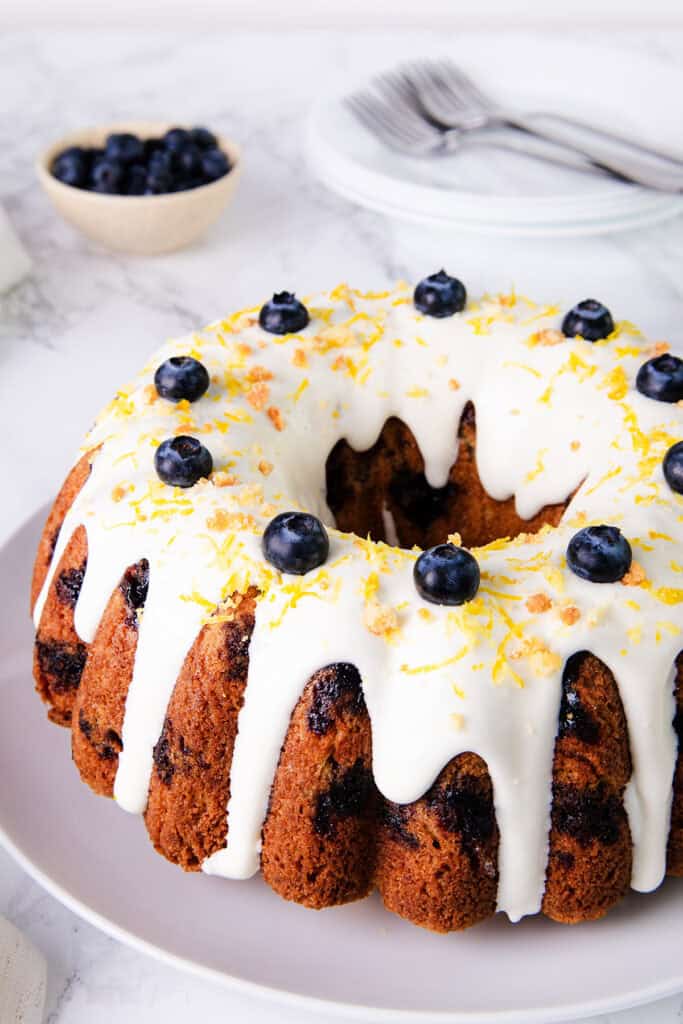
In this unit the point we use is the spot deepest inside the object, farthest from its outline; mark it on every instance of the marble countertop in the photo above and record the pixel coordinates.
(85, 319)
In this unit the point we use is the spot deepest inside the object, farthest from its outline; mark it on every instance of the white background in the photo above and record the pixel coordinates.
(132, 14)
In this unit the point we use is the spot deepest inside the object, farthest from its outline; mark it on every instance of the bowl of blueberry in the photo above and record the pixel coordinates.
(143, 187)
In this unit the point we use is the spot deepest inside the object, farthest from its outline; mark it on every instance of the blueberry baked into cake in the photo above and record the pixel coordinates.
(385, 591)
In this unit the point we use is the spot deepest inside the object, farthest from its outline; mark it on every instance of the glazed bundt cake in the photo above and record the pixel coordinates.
(385, 591)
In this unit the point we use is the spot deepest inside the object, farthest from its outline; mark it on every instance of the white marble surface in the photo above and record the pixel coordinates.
(85, 319)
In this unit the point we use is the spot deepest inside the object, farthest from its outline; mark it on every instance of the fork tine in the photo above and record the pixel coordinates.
(404, 115)
(375, 125)
(439, 100)
(403, 133)
(403, 120)
(454, 75)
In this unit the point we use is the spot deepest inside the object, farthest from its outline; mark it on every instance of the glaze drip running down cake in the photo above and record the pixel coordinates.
(385, 591)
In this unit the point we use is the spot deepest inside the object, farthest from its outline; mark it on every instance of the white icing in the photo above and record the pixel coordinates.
(484, 677)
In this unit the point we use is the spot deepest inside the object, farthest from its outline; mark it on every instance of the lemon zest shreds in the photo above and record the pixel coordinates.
(296, 395)
(417, 670)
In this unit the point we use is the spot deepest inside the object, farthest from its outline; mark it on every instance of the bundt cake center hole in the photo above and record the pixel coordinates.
(383, 493)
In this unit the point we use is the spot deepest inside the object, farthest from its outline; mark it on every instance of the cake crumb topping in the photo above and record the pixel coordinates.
(569, 614)
(380, 619)
(538, 603)
(636, 575)
(276, 418)
(257, 395)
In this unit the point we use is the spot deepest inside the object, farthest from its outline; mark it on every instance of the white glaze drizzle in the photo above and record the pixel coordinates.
(485, 677)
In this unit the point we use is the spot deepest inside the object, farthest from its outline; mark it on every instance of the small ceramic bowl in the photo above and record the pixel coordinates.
(143, 225)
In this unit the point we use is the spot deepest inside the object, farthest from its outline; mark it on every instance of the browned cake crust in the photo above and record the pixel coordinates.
(437, 858)
(101, 698)
(190, 785)
(589, 867)
(329, 837)
(48, 541)
(319, 834)
(675, 852)
(59, 655)
(391, 475)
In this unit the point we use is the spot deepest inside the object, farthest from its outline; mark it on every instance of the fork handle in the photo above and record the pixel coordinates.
(608, 136)
(629, 169)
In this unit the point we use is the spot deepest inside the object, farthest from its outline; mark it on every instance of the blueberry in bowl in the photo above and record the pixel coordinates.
(143, 187)
(180, 158)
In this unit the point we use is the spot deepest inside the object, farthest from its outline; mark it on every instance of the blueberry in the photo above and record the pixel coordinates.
(136, 180)
(600, 554)
(182, 461)
(589, 320)
(203, 138)
(71, 167)
(214, 164)
(124, 147)
(295, 542)
(151, 146)
(176, 139)
(673, 467)
(158, 181)
(190, 161)
(446, 574)
(440, 295)
(661, 378)
(75, 152)
(187, 183)
(163, 160)
(284, 314)
(107, 176)
(181, 377)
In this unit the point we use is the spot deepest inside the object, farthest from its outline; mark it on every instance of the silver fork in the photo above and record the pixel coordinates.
(465, 90)
(396, 121)
(449, 97)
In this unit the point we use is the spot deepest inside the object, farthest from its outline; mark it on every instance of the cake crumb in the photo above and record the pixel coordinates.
(259, 373)
(275, 417)
(542, 660)
(454, 384)
(222, 520)
(457, 721)
(118, 493)
(546, 336)
(570, 614)
(658, 348)
(151, 394)
(257, 395)
(575, 445)
(222, 479)
(455, 538)
(299, 357)
(218, 520)
(380, 619)
(538, 603)
(244, 350)
(265, 467)
(635, 577)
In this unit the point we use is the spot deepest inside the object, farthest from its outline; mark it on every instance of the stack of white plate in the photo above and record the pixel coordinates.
(494, 191)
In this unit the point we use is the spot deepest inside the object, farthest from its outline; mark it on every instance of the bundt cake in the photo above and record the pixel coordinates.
(385, 591)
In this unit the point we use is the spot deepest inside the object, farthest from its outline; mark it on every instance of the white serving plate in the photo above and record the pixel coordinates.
(492, 191)
(357, 960)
